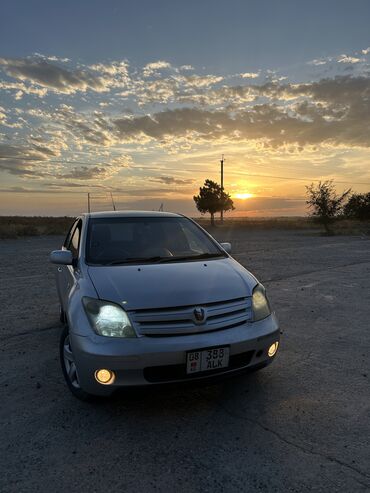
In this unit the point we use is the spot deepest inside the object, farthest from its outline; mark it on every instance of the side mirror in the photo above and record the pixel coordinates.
(61, 257)
(226, 247)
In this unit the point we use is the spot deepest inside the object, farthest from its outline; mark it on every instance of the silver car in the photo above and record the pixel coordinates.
(151, 298)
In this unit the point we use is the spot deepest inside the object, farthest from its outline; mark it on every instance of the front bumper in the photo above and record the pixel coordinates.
(159, 360)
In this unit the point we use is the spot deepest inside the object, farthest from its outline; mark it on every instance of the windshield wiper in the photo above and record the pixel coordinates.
(135, 260)
(158, 259)
(201, 256)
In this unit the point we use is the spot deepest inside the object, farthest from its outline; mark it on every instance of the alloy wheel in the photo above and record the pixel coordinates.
(70, 364)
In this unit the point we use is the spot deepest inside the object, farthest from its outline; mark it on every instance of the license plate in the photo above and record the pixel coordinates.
(207, 360)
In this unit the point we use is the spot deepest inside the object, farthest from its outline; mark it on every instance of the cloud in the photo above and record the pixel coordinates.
(170, 180)
(60, 185)
(114, 74)
(186, 67)
(42, 74)
(318, 61)
(200, 81)
(4, 121)
(158, 91)
(331, 111)
(174, 89)
(154, 68)
(102, 171)
(39, 159)
(93, 129)
(226, 95)
(85, 173)
(249, 75)
(25, 89)
(52, 58)
(2, 114)
(348, 59)
(366, 51)
(23, 160)
(46, 139)
(51, 76)
(345, 59)
(339, 90)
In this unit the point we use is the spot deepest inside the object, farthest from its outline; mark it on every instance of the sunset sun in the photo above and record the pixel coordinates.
(243, 195)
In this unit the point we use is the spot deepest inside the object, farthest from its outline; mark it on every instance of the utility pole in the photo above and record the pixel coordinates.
(88, 202)
(222, 184)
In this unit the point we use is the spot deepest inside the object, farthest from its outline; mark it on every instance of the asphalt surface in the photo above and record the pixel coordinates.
(302, 424)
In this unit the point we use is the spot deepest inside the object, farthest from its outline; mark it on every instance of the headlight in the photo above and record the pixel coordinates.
(108, 319)
(260, 305)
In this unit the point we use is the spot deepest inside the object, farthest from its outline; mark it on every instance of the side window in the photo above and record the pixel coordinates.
(70, 233)
(75, 240)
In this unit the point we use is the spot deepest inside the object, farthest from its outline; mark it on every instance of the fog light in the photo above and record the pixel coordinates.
(272, 349)
(104, 376)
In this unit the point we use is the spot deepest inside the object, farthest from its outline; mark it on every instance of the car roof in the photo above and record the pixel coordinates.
(108, 214)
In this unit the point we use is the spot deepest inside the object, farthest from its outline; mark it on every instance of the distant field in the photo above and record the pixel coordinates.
(263, 223)
(18, 226)
(21, 226)
(341, 226)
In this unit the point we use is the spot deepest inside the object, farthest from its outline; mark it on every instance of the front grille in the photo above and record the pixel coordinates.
(157, 374)
(181, 320)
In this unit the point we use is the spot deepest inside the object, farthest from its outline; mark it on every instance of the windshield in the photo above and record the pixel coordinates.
(124, 240)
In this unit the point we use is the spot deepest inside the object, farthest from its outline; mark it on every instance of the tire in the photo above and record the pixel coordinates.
(69, 367)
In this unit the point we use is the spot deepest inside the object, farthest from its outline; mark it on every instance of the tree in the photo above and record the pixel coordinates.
(325, 203)
(212, 199)
(358, 206)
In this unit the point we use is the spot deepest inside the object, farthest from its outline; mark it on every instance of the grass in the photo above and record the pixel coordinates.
(21, 226)
(263, 223)
(340, 226)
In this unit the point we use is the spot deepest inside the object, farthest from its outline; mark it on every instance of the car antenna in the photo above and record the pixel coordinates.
(114, 205)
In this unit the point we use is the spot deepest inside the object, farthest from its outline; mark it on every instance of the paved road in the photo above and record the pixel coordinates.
(302, 424)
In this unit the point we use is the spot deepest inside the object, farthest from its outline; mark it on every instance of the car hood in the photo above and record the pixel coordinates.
(173, 284)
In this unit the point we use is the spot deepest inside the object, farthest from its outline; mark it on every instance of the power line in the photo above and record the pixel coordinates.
(27, 158)
(243, 173)
(301, 179)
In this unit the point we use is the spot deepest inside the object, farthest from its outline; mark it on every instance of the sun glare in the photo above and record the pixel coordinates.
(243, 196)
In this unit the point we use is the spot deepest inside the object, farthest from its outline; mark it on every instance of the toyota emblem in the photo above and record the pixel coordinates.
(199, 314)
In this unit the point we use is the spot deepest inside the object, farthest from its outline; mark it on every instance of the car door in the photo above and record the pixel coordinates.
(60, 270)
(69, 273)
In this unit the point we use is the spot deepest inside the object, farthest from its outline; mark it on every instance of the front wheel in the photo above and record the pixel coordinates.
(69, 368)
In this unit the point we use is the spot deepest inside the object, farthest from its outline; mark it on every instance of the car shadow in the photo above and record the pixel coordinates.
(191, 399)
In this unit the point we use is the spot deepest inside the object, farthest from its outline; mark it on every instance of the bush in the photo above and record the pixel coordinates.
(326, 205)
(358, 207)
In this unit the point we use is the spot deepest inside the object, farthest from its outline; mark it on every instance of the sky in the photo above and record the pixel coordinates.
(139, 100)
